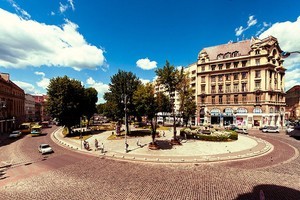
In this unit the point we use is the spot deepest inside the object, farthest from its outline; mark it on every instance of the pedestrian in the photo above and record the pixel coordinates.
(96, 144)
(164, 134)
(102, 148)
(126, 147)
(138, 143)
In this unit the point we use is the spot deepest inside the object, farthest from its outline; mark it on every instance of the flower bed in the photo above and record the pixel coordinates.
(208, 135)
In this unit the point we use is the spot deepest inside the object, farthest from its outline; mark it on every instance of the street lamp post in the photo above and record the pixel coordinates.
(80, 133)
(286, 54)
(124, 100)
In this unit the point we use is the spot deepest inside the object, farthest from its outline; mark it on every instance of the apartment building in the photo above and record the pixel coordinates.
(192, 73)
(241, 83)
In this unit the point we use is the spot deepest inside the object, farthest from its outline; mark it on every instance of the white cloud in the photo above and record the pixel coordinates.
(62, 7)
(146, 64)
(99, 86)
(19, 10)
(27, 87)
(52, 13)
(44, 82)
(288, 36)
(251, 22)
(292, 78)
(71, 4)
(29, 43)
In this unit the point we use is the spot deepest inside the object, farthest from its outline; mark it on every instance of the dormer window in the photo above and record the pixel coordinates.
(227, 55)
(235, 54)
(257, 52)
(220, 56)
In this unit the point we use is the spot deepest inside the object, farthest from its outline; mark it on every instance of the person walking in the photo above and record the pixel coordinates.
(102, 148)
(96, 144)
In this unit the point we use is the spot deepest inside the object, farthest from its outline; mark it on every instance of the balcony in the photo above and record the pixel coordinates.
(213, 91)
(227, 91)
(235, 90)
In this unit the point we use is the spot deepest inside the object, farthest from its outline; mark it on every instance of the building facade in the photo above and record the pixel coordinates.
(41, 104)
(12, 100)
(29, 108)
(293, 103)
(241, 83)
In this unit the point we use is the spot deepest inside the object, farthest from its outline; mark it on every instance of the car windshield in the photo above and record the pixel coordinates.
(45, 146)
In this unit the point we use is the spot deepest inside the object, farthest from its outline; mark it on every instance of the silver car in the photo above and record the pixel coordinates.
(271, 129)
(15, 134)
(45, 148)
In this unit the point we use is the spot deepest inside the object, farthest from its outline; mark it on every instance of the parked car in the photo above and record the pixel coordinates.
(263, 127)
(241, 130)
(289, 129)
(45, 148)
(231, 127)
(15, 134)
(271, 129)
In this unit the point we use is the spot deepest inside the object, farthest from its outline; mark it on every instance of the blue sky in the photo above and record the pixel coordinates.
(91, 40)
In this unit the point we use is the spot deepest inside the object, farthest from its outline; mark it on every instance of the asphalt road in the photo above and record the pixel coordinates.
(70, 175)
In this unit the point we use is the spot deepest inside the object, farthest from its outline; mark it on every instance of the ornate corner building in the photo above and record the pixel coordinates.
(241, 83)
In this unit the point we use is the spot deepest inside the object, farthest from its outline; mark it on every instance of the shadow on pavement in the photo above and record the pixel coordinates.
(263, 192)
(164, 144)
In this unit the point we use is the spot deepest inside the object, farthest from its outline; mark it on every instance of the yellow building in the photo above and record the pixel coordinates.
(241, 83)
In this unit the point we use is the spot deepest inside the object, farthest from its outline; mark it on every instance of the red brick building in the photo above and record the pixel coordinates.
(12, 101)
(293, 102)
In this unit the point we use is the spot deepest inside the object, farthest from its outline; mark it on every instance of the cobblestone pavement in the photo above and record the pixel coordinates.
(275, 174)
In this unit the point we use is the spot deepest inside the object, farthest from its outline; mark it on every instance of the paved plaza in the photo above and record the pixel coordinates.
(273, 173)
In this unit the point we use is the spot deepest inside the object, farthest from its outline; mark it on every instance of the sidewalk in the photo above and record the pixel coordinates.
(191, 151)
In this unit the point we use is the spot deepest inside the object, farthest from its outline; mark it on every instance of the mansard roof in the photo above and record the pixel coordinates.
(242, 48)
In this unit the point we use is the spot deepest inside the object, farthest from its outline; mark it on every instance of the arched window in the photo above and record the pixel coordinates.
(242, 110)
(215, 112)
(271, 110)
(274, 52)
(257, 110)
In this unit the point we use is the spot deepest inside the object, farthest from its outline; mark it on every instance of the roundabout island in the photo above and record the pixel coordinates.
(190, 150)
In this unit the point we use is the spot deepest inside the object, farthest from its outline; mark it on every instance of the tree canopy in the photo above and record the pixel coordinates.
(170, 77)
(121, 89)
(68, 100)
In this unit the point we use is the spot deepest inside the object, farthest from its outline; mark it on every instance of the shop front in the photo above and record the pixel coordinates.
(215, 116)
(227, 116)
(241, 117)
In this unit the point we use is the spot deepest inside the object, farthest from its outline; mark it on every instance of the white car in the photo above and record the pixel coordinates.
(45, 148)
(271, 129)
(15, 134)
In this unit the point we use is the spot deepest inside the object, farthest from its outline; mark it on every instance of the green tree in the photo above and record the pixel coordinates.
(121, 89)
(186, 97)
(65, 100)
(89, 104)
(170, 77)
(163, 104)
(146, 105)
